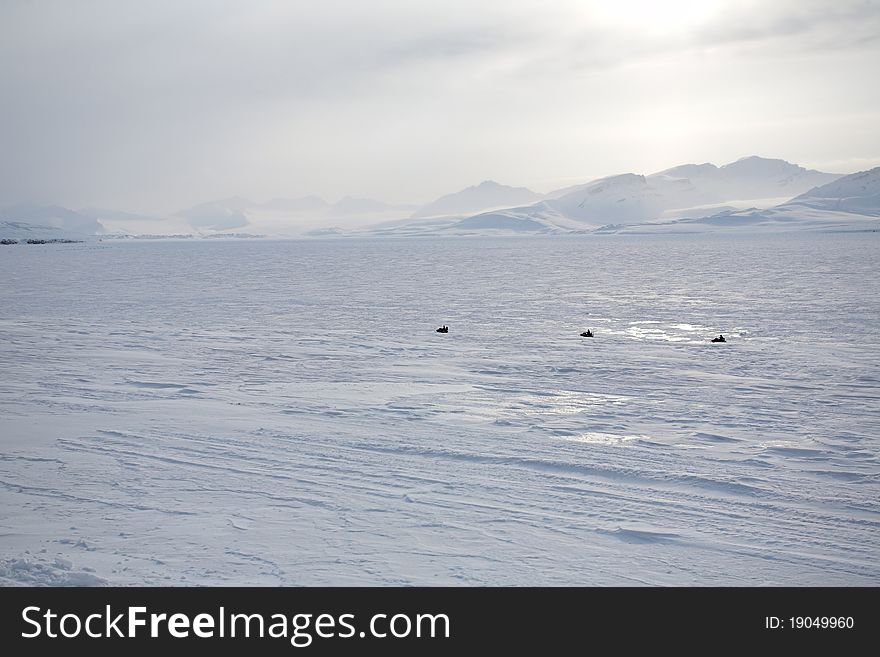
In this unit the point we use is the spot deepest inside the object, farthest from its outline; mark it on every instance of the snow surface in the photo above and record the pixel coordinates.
(284, 413)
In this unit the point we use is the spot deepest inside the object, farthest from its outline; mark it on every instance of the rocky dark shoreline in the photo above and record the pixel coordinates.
(41, 241)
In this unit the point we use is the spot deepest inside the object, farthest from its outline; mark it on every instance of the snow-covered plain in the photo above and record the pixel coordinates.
(284, 413)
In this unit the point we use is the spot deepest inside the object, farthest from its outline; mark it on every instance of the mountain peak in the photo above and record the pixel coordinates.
(859, 190)
(52, 216)
(689, 171)
(761, 164)
(488, 195)
(756, 158)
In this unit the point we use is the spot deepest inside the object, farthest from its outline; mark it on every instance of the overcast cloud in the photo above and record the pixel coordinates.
(153, 106)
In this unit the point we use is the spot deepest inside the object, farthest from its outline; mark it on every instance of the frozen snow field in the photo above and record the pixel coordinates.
(283, 413)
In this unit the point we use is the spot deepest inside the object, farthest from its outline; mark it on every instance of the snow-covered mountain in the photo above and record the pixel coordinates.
(749, 178)
(686, 191)
(19, 230)
(626, 198)
(218, 215)
(848, 203)
(630, 198)
(289, 216)
(858, 193)
(750, 191)
(52, 221)
(118, 222)
(488, 195)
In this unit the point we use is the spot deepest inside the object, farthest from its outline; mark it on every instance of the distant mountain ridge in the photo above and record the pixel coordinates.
(237, 212)
(857, 193)
(749, 191)
(485, 196)
(852, 201)
(749, 177)
(51, 219)
(633, 198)
(218, 215)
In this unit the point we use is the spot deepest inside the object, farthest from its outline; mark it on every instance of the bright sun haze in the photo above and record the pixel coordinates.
(653, 16)
(155, 107)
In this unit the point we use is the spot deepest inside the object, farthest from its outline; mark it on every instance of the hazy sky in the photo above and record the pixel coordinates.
(156, 105)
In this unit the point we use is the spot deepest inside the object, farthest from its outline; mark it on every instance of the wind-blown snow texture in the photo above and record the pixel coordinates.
(284, 413)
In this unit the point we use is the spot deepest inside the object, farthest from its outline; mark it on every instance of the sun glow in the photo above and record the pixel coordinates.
(654, 15)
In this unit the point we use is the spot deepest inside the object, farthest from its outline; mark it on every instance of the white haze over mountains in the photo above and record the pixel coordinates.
(750, 193)
(681, 191)
(487, 195)
(289, 118)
